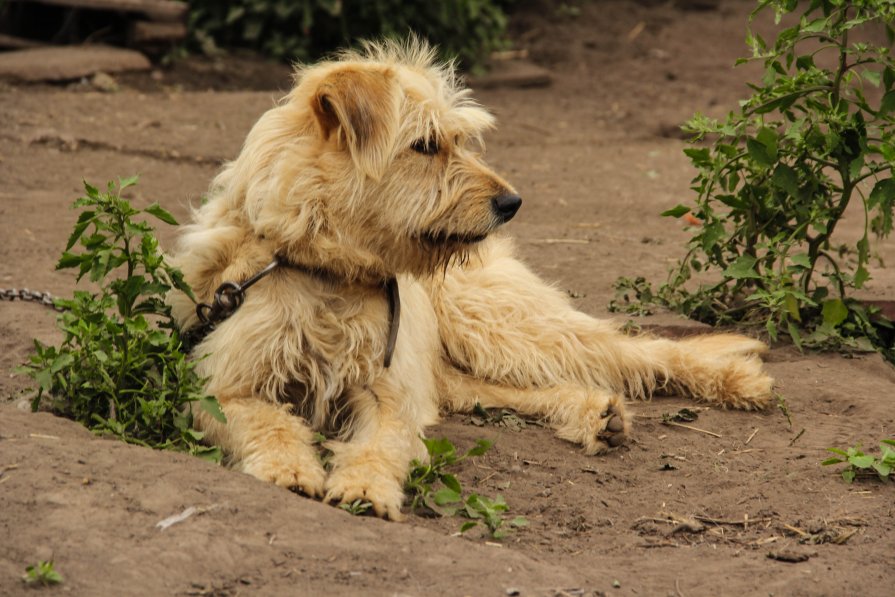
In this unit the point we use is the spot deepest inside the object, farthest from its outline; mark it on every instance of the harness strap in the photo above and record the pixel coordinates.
(230, 296)
(394, 318)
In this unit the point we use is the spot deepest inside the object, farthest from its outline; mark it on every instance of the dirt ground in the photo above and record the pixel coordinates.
(596, 157)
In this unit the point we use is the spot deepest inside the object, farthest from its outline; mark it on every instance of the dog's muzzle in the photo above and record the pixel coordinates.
(505, 206)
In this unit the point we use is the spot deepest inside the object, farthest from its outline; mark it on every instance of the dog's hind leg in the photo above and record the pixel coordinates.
(265, 441)
(498, 321)
(591, 417)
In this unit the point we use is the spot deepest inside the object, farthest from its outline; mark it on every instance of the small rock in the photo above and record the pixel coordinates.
(788, 556)
(104, 82)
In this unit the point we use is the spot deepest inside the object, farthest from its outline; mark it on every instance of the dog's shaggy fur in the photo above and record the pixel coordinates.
(368, 170)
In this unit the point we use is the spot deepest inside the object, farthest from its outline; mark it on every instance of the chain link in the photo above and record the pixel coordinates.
(42, 298)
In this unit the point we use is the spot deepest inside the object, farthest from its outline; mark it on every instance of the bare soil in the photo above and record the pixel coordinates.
(597, 157)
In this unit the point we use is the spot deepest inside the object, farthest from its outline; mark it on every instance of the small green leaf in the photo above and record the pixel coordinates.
(210, 405)
(210, 453)
(451, 482)
(61, 362)
(871, 77)
(883, 193)
(70, 260)
(805, 62)
(887, 104)
(848, 475)
(855, 167)
(130, 181)
(861, 461)
(834, 312)
(699, 156)
(481, 446)
(792, 306)
(468, 525)
(794, 334)
(676, 212)
(743, 267)
(882, 469)
(84, 220)
(445, 496)
(771, 328)
(815, 26)
(830, 461)
(91, 190)
(801, 260)
(758, 152)
(163, 215)
(787, 179)
(45, 380)
(439, 447)
(768, 138)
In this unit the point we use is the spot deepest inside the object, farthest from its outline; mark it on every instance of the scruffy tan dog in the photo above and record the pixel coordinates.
(365, 173)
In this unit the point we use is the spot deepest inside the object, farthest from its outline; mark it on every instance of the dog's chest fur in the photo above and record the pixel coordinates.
(331, 337)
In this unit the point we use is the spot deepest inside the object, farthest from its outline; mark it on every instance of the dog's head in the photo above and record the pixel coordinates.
(372, 163)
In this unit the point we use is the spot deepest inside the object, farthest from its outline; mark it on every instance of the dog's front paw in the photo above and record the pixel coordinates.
(598, 423)
(298, 472)
(366, 482)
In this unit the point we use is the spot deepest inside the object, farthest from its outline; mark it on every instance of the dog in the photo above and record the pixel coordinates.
(392, 295)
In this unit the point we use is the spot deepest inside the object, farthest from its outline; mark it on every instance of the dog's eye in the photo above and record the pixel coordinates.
(425, 146)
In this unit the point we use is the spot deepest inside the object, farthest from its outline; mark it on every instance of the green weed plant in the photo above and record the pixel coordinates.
(120, 368)
(776, 177)
(449, 499)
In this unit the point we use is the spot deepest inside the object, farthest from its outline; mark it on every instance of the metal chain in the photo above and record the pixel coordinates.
(42, 298)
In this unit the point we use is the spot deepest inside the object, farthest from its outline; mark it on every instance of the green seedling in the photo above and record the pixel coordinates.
(864, 465)
(358, 507)
(449, 500)
(42, 574)
(784, 408)
(423, 476)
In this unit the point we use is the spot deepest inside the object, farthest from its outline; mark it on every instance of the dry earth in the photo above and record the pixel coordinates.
(596, 157)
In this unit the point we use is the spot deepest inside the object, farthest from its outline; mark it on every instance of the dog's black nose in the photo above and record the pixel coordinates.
(505, 206)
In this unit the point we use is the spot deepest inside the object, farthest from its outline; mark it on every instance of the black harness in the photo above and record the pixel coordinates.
(230, 296)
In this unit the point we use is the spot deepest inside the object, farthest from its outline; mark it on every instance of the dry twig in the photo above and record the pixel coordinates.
(691, 428)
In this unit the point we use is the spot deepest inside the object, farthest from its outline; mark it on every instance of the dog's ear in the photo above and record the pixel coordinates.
(361, 106)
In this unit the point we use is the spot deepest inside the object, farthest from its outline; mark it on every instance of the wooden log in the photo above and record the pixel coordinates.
(158, 10)
(150, 33)
(66, 63)
(18, 43)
